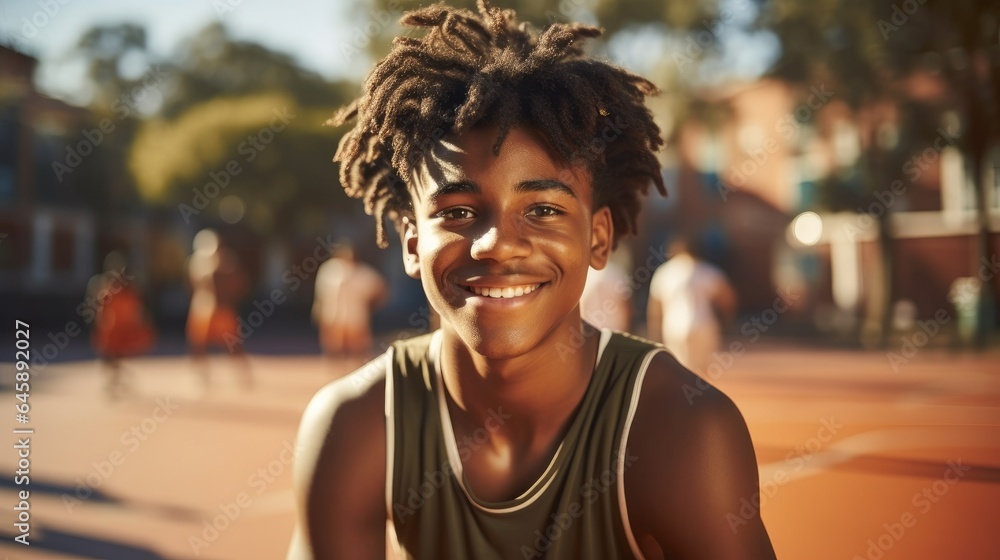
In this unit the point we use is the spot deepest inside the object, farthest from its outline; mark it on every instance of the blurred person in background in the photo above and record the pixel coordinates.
(347, 291)
(121, 326)
(689, 302)
(218, 283)
(606, 300)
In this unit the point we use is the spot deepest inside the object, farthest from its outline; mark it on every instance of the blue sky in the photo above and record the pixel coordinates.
(310, 30)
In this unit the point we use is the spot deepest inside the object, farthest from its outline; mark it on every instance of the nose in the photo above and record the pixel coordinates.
(500, 241)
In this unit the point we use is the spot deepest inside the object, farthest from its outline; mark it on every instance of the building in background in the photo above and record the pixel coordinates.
(64, 197)
(770, 153)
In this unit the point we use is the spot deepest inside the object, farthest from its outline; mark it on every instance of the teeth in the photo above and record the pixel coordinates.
(503, 293)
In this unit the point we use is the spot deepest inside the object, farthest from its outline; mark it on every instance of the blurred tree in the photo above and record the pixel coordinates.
(377, 21)
(268, 151)
(239, 134)
(211, 64)
(115, 57)
(929, 60)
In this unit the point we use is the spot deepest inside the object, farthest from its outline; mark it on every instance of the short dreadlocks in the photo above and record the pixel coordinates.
(488, 69)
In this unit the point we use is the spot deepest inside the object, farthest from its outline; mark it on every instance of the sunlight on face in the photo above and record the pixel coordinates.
(502, 242)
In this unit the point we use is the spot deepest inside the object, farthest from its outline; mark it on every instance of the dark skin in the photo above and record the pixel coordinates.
(523, 220)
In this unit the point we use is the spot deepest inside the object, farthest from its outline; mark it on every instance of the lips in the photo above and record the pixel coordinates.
(503, 292)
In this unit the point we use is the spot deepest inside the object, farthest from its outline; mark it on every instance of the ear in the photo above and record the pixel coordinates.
(601, 237)
(411, 259)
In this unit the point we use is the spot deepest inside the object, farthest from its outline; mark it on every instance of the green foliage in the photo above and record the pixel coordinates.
(234, 119)
(619, 15)
(268, 150)
(107, 48)
(212, 64)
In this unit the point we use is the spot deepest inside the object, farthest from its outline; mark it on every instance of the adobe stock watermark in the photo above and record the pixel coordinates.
(362, 377)
(886, 198)
(795, 461)
(752, 329)
(122, 107)
(610, 307)
(228, 512)
(899, 17)
(223, 7)
(567, 11)
(419, 322)
(116, 281)
(249, 149)
(31, 25)
(787, 126)
(589, 493)
(417, 497)
(923, 501)
(131, 440)
(988, 269)
(594, 150)
(362, 35)
(914, 342)
(292, 279)
(707, 35)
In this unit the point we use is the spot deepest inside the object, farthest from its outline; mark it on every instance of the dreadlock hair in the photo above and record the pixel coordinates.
(488, 69)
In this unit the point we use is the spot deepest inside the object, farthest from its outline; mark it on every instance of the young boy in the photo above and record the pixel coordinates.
(510, 163)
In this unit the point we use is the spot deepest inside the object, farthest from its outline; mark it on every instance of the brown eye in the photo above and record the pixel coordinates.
(544, 212)
(456, 214)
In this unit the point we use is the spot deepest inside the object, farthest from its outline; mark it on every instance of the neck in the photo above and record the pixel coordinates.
(538, 389)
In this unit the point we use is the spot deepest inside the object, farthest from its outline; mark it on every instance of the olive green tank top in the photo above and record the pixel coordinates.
(574, 511)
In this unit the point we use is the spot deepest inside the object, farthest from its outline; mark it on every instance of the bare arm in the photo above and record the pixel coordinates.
(695, 465)
(654, 319)
(381, 293)
(725, 302)
(340, 470)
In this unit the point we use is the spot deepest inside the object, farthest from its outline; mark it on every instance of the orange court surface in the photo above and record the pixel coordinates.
(856, 460)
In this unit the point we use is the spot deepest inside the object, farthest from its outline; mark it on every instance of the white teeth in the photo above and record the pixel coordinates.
(504, 293)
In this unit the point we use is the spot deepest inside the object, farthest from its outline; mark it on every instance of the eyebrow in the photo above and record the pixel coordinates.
(537, 185)
(456, 187)
(470, 187)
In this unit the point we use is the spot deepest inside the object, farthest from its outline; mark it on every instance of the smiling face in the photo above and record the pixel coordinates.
(502, 243)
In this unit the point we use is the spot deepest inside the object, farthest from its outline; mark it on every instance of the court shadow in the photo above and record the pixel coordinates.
(82, 546)
(69, 496)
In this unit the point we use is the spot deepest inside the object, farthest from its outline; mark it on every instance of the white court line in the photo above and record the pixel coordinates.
(874, 413)
(272, 503)
(883, 440)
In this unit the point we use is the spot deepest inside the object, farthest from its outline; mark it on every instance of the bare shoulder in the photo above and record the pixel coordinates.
(693, 462)
(675, 398)
(680, 416)
(340, 468)
(357, 396)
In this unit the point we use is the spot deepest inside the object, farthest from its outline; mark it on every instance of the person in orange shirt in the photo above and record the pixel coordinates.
(121, 326)
(217, 283)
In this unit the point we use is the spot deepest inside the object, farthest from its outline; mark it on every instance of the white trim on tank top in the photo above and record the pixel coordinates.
(455, 461)
(632, 407)
(390, 452)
